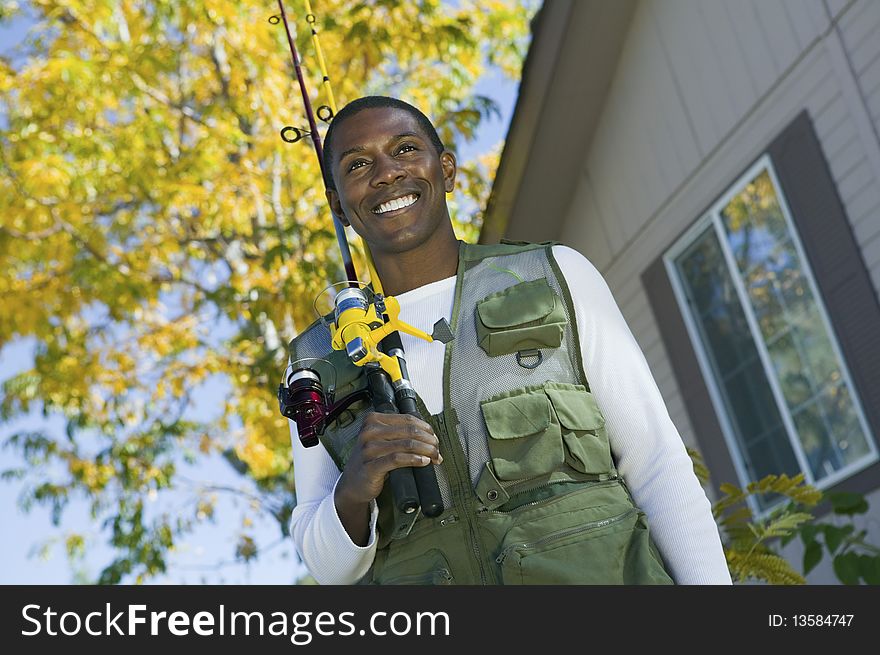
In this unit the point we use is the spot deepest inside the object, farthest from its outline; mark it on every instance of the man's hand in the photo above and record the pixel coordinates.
(386, 442)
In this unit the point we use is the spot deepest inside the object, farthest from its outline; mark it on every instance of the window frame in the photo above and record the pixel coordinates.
(711, 219)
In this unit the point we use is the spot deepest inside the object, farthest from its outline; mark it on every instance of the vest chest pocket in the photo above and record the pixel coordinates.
(583, 428)
(524, 439)
(533, 430)
(525, 316)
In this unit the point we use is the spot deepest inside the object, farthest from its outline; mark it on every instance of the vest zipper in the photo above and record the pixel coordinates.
(463, 495)
(521, 486)
(439, 577)
(548, 501)
(465, 488)
(564, 533)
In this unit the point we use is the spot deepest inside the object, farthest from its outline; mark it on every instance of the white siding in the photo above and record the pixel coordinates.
(588, 231)
(807, 21)
(859, 29)
(702, 88)
(858, 26)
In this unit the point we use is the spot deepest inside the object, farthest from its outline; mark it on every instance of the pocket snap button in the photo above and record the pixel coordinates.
(492, 494)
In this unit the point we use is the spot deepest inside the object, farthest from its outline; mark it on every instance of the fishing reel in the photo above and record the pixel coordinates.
(361, 323)
(303, 398)
(361, 320)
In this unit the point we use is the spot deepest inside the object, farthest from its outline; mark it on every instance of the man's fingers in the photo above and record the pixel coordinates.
(396, 431)
(377, 449)
(383, 465)
(399, 421)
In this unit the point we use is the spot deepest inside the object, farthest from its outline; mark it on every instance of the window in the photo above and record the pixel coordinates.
(777, 379)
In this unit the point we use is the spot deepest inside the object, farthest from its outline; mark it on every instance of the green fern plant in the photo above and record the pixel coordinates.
(750, 555)
(750, 545)
(747, 541)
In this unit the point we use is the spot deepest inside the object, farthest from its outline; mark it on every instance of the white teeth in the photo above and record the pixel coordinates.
(396, 203)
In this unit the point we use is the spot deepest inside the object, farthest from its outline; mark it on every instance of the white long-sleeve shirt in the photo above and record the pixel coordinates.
(648, 450)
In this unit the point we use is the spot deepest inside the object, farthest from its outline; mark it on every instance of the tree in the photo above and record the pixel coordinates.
(157, 233)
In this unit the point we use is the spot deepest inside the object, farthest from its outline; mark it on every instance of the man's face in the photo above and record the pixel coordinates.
(391, 184)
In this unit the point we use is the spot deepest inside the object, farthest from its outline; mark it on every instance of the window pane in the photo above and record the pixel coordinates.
(840, 411)
(819, 357)
(754, 224)
(733, 356)
(813, 431)
(764, 290)
(805, 364)
(797, 297)
(795, 382)
(830, 431)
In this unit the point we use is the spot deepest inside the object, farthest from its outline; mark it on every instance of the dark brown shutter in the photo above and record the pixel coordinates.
(838, 268)
(844, 284)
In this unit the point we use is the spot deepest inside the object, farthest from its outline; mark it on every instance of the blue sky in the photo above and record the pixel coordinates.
(20, 559)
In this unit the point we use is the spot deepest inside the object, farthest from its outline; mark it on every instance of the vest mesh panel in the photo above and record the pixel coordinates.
(476, 375)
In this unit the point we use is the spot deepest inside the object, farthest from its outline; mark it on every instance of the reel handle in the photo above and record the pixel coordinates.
(401, 480)
(425, 476)
(405, 398)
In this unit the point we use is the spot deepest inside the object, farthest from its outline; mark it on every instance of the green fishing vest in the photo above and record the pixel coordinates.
(530, 490)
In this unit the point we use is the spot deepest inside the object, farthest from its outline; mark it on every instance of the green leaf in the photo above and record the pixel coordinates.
(869, 568)
(700, 469)
(246, 549)
(787, 538)
(812, 556)
(784, 525)
(75, 545)
(763, 566)
(808, 533)
(739, 516)
(846, 567)
(13, 474)
(835, 535)
(846, 502)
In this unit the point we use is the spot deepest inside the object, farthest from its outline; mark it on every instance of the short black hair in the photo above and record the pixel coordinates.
(373, 102)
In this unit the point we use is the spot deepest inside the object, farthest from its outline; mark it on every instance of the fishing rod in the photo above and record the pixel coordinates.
(341, 239)
(366, 327)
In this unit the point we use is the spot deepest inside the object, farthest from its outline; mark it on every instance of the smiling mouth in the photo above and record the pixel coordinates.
(396, 203)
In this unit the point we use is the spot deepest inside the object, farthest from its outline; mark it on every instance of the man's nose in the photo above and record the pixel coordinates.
(387, 170)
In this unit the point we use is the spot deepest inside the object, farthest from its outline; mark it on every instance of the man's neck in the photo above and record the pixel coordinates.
(430, 262)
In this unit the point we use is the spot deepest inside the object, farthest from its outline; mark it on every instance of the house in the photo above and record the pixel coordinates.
(719, 163)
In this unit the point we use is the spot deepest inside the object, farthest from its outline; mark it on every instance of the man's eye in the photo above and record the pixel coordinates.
(406, 147)
(357, 163)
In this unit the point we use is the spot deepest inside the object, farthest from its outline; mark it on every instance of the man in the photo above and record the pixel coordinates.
(551, 443)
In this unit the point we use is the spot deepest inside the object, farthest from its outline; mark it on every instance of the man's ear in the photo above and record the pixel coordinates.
(336, 206)
(447, 163)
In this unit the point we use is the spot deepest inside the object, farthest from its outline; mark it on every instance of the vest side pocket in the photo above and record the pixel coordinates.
(583, 428)
(592, 535)
(525, 440)
(612, 550)
(424, 568)
(524, 316)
